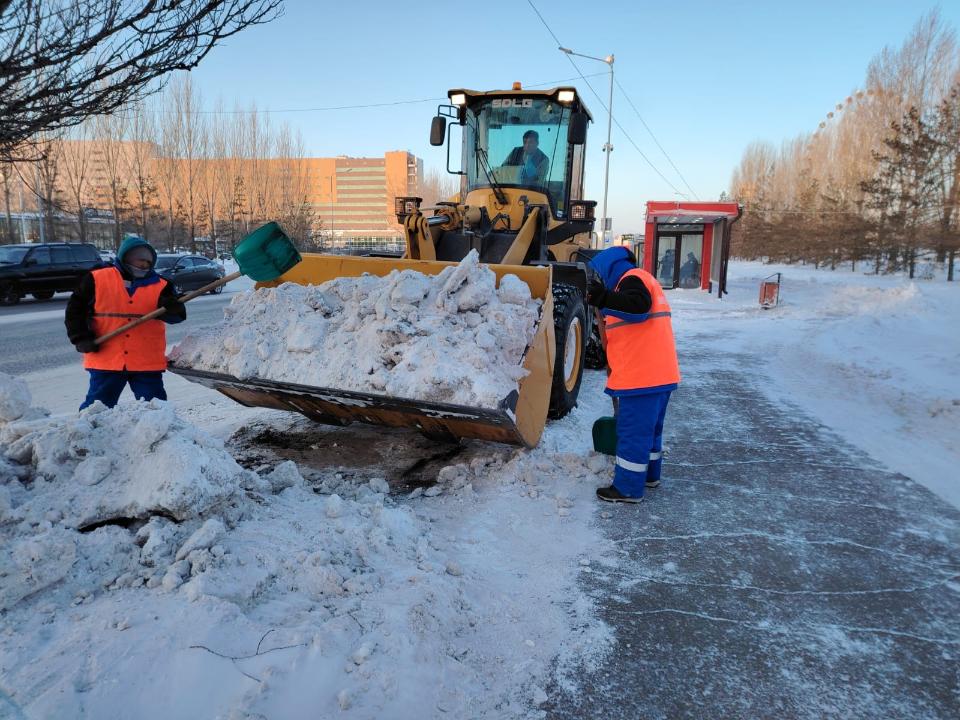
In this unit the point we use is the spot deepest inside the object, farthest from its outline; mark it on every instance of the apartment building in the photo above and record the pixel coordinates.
(353, 197)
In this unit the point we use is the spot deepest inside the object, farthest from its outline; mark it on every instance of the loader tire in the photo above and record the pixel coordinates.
(570, 322)
(595, 358)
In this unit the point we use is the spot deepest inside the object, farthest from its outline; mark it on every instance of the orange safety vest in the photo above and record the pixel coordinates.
(641, 350)
(142, 348)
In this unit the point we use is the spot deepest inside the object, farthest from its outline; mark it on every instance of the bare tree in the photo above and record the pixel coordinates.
(292, 182)
(862, 183)
(141, 162)
(76, 174)
(112, 149)
(7, 174)
(946, 171)
(65, 60)
(185, 105)
(168, 167)
(437, 186)
(215, 167)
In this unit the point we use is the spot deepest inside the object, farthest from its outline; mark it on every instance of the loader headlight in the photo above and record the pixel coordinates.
(565, 96)
(458, 99)
(404, 206)
(583, 210)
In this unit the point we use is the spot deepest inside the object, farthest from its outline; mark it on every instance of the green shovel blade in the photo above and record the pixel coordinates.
(266, 253)
(605, 435)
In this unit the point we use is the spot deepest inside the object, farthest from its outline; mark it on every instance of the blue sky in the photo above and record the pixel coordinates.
(707, 77)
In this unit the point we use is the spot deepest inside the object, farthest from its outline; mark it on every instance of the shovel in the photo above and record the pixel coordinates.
(605, 435)
(263, 255)
(605, 428)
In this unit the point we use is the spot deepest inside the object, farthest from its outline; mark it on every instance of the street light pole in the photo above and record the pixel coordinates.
(607, 148)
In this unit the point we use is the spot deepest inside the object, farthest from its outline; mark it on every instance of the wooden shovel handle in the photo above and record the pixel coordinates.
(160, 311)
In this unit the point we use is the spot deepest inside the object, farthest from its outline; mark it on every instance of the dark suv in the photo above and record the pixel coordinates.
(44, 269)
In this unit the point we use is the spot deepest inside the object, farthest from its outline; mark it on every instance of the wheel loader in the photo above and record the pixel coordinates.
(521, 207)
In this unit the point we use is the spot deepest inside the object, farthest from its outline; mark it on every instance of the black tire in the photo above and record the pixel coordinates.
(570, 323)
(9, 294)
(595, 358)
(44, 295)
(217, 290)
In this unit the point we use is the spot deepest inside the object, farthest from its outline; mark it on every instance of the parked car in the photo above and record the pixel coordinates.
(44, 269)
(189, 272)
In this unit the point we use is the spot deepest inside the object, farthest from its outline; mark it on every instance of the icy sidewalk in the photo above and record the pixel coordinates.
(777, 572)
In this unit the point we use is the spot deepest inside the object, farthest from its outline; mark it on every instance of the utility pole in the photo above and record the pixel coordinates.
(607, 148)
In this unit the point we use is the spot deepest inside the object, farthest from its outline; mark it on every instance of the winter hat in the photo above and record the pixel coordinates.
(132, 241)
(133, 247)
(611, 264)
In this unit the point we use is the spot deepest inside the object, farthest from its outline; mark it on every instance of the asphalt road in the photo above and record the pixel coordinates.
(31, 345)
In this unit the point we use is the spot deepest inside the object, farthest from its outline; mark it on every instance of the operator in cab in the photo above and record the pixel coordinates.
(532, 161)
(642, 356)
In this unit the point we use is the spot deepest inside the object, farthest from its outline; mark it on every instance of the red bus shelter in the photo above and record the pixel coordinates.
(687, 244)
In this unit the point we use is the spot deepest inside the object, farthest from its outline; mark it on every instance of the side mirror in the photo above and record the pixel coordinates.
(438, 130)
(577, 130)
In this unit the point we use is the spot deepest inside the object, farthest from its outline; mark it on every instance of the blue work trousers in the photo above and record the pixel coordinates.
(106, 386)
(639, 441)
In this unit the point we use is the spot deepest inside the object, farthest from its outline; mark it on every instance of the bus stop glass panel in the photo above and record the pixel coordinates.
(691, 257)
(666, 261)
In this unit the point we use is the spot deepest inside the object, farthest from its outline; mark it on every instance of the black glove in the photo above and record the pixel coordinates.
(172, 305)
(596, 292)
(86, 346)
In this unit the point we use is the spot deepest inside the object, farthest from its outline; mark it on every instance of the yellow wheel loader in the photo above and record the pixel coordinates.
(521, 207)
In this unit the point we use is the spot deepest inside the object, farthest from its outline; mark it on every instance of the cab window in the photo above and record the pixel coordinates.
(519, 142)
(39, 256)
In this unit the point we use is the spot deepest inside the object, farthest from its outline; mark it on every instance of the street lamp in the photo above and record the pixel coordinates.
(608, 148)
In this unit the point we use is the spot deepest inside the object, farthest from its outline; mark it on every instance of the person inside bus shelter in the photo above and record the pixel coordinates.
(690, 272)
(532, 161)
(666, 266)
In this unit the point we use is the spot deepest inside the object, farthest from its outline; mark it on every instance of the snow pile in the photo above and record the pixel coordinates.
(70, 488)
(453, 337)
(259, 595)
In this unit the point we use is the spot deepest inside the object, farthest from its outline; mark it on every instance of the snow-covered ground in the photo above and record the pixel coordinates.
(272, 590)
(876, 359)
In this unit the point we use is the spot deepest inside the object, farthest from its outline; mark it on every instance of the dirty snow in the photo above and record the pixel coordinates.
(454, 337)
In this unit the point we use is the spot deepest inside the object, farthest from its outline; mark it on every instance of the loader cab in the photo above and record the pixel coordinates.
(534, 140)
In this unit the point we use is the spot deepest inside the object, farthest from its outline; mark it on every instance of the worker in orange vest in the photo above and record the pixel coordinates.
(110, 297)
(643, 369)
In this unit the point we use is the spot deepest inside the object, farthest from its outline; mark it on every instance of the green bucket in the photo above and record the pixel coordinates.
(266, 253)
(605, 435)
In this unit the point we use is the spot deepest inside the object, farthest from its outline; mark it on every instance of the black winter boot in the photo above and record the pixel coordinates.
(611, 494)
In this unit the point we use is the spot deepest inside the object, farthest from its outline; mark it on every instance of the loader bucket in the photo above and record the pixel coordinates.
(518, 419)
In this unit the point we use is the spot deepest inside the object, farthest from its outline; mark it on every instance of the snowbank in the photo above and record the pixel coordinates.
(70, 488)
(454, 337)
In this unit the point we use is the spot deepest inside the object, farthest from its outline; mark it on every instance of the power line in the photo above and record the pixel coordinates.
(364, 106)
(654, 137)
(604, 106)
